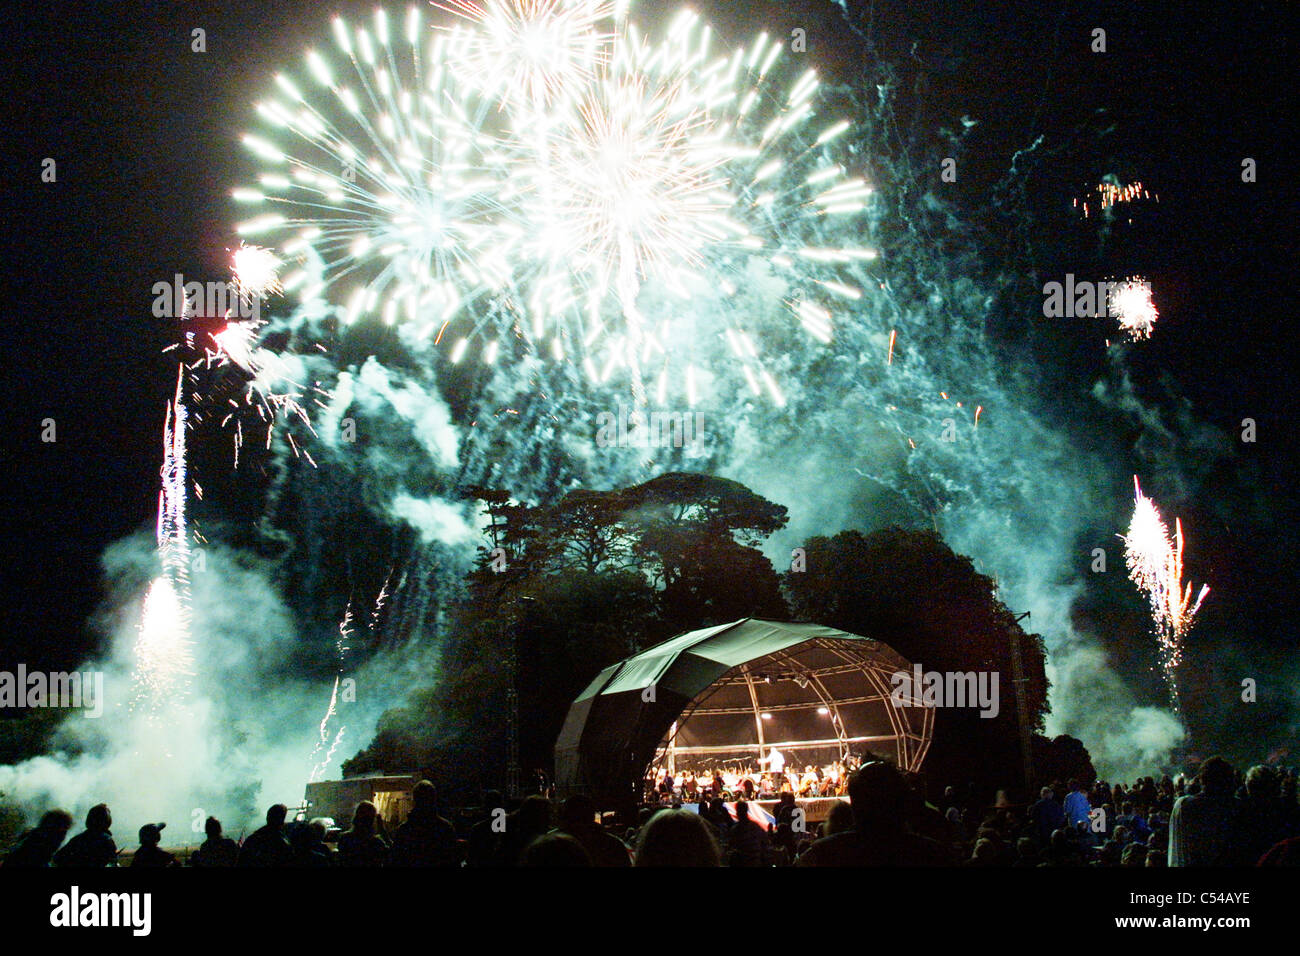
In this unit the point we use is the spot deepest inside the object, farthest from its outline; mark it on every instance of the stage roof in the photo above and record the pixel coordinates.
(816, 684)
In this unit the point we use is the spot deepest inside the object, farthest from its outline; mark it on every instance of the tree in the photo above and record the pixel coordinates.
(908, 589)
(588, 580)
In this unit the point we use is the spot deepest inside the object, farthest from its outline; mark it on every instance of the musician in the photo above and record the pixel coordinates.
(667, 785)
(775, 761)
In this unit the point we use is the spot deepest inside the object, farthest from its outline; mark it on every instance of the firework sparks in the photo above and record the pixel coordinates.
(342, 646)
(531, 54)
(1110, 193)
(1155, 565)
(1130, 303)
(256, 271)
(658, 165)
(271, 388)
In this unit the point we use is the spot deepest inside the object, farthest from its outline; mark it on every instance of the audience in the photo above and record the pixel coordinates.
(1217, 818)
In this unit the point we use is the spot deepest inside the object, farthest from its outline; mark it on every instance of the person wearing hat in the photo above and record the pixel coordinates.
(150, 854)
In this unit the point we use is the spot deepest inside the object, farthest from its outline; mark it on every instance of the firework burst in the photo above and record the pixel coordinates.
(385, 189)
(256, 272)
(412, 186)
(1130, 303)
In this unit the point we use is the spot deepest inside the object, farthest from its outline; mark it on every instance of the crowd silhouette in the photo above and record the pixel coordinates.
(1219, 817)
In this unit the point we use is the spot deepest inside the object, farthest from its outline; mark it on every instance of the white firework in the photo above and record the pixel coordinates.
(1130, 304)
(532, 56)
(411, 191)
(386, 188)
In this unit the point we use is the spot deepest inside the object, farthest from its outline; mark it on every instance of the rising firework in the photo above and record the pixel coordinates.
(325, 746)
(162, 650)
(1155, 565)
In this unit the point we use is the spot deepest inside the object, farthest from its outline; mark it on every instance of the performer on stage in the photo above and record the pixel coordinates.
(775, 760)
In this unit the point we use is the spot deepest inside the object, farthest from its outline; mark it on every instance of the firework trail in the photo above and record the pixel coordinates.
(341, 645)
(331, 711)
(1155, 565)
(319, 768)
(163, 653)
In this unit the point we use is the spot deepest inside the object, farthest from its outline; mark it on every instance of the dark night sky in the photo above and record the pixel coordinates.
(145, 136)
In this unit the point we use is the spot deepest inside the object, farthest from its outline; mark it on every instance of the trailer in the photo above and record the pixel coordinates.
(338, 799)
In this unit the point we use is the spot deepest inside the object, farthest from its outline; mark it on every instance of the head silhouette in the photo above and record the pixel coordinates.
(677, 838)
(363, 817)
(878, 796)
(555, 849)
(534, 814)
(60, 820)
(1215, 776)
(425, 796)
(98, 819)
(578, 811)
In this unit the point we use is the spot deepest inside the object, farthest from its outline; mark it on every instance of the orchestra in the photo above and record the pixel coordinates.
(748, 780)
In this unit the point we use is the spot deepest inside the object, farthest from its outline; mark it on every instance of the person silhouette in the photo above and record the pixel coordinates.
(150, 854)
(362, 845)
(425, 839)
(36, 847)
(268, 846)
(94, 845)
(217, 850)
